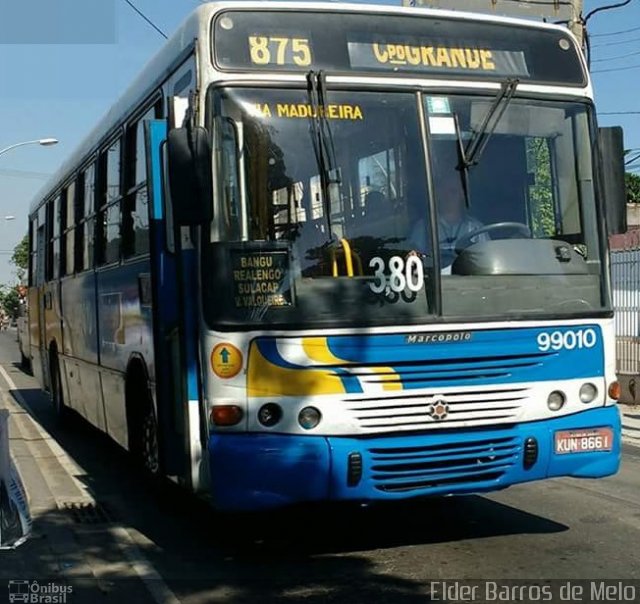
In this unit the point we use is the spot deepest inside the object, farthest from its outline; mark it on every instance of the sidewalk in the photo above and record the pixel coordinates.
(630, 423)
(73, 549)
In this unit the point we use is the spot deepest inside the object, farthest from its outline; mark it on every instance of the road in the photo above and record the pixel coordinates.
(158, 545)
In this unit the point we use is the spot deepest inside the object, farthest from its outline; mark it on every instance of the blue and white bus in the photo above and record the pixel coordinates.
(250, 276)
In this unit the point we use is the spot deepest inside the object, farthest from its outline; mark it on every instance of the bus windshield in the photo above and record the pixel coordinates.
(362, 209)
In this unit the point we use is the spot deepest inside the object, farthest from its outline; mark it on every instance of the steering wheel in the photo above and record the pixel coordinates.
(517, 227)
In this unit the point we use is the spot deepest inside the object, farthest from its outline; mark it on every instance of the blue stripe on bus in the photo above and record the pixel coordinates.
(487, 356)
(157, 135)
(190, 308)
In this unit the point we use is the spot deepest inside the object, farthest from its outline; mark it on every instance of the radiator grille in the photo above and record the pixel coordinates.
(416, 411)
(429, 467)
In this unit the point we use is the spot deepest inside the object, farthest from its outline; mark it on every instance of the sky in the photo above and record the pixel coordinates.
(55, 84)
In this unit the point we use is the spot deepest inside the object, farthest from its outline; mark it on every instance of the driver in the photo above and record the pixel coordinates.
(454, 220)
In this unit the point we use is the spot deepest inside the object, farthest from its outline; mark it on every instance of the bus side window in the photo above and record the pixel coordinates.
(32, 251)
(41, 249)
(135, 213)
(108, 194)
(68, 227)
(53, 239)
(85, 220)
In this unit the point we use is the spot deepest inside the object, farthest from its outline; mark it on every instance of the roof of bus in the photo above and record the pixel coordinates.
(195, 30)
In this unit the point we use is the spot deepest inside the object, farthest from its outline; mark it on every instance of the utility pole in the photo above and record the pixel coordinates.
(576, 24)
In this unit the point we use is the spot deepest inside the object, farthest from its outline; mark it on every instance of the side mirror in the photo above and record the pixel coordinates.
(611, 147)
(190, 175)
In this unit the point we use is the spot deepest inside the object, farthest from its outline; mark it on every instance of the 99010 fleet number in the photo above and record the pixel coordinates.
(567, 340)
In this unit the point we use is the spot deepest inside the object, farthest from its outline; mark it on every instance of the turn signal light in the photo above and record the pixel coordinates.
(614, 391)
(226, 415)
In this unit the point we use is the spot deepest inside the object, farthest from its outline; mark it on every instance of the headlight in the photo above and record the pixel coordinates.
(588, 393)
(270, 414)
(556, 400)
(309, 418)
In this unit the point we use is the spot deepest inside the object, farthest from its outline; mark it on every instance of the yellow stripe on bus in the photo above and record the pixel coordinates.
(267, 379)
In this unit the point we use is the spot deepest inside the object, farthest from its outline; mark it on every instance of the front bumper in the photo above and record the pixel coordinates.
(259, 471)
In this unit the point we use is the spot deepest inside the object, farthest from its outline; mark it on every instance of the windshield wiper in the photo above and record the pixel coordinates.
(470, 155)
(480, 138)
(463, 166)
(322, 140)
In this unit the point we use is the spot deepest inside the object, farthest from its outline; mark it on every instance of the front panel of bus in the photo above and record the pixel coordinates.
(404, 285)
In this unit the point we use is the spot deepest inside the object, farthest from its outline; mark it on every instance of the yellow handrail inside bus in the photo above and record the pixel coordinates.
(349, 257)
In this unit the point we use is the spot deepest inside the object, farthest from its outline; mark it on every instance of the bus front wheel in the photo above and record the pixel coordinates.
(149, 443)
(143, 431)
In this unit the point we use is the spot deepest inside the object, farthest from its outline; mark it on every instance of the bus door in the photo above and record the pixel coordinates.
(175, 308)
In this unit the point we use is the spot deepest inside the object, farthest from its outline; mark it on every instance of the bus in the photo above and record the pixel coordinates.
(241, 277)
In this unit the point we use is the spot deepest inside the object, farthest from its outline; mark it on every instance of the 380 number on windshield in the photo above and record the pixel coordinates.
(402, 275)
(567, 340)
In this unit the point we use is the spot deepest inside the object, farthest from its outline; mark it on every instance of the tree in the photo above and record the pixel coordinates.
(541, 191)
(11, 302)
(632, 182)
(20, 257)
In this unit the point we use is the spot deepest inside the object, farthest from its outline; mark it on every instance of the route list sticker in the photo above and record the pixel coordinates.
(226, 360)
(260, 278)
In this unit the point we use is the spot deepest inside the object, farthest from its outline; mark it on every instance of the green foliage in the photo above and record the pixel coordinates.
(20, 257)
(632, 182)
(11, 302)
(541, 190)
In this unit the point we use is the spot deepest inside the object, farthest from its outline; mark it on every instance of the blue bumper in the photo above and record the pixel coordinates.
(259, 471)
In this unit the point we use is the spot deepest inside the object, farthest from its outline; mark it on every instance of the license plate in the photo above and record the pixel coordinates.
(583, 441)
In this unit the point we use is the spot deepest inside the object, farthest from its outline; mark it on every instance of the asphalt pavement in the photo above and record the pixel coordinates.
(106, 534)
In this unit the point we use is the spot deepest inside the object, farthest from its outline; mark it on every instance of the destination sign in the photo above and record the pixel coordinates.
(305, 111)
(260, 278)
(343, 42)
(421, 57)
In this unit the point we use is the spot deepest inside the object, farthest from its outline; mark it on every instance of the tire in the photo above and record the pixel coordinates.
(149, 448)
(143, 439)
